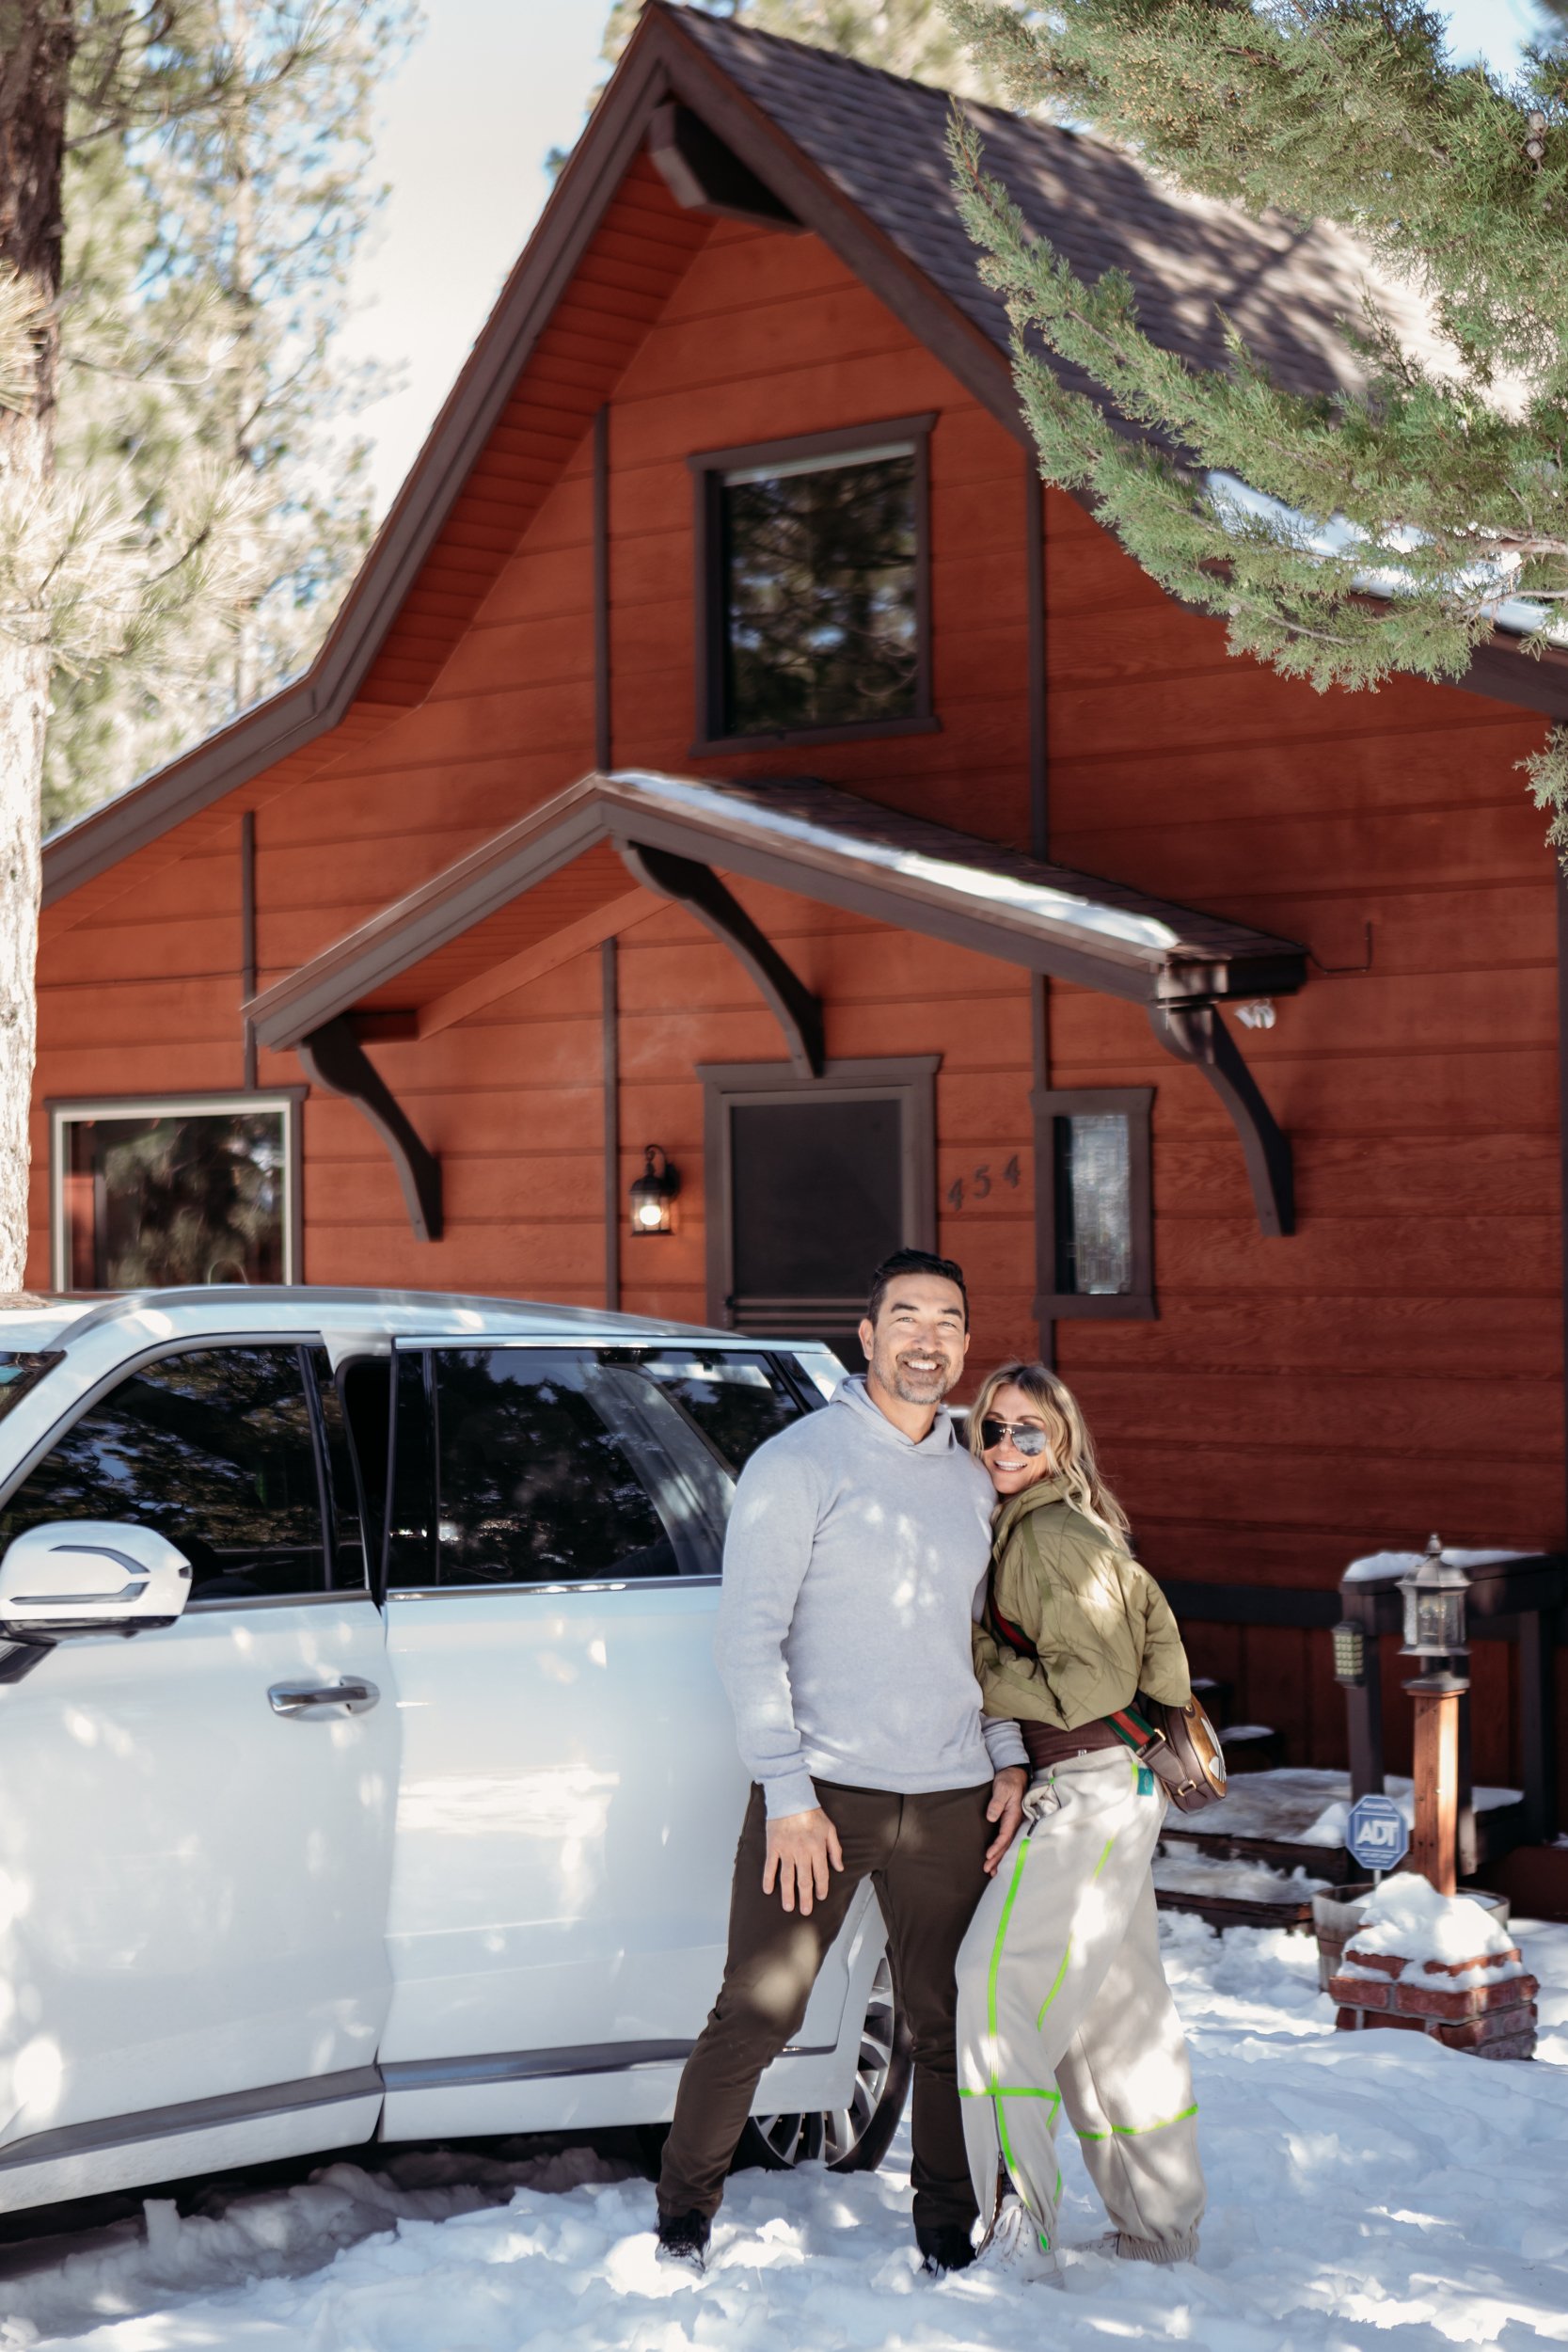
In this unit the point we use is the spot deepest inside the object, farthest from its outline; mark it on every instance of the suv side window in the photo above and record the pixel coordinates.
(737, 1400)
(529, 1480)
(213, 1448)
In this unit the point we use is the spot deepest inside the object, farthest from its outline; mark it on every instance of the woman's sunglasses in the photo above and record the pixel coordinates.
(1028, 1439)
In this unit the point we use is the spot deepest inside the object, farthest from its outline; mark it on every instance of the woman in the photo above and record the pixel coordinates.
(1062, 2000)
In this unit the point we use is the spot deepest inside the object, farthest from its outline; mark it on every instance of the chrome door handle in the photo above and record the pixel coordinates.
(308, 1698)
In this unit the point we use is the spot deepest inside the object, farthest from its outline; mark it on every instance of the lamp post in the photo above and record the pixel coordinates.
(1433, 1596)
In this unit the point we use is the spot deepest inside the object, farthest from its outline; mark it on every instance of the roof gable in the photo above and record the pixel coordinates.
(851, 152)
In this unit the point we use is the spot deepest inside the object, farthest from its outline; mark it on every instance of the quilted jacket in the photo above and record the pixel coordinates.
(1101, 1627)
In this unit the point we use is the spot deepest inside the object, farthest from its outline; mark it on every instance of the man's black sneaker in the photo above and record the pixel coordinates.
(944, 2248)
(682, 2239)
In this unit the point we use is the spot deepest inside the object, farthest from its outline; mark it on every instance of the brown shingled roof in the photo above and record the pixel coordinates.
(1284, 284)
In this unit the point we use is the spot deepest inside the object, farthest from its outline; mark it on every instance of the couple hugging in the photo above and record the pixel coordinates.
(921, 1646)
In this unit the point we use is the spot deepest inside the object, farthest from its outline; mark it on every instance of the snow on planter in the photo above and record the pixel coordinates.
(1438, 1965)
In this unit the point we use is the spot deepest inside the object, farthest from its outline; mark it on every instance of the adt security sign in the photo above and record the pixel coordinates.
(1375, 1833)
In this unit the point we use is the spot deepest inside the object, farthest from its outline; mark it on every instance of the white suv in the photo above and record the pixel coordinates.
(409, 1807)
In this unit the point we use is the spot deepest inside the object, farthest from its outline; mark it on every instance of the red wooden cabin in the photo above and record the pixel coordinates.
(542, 864)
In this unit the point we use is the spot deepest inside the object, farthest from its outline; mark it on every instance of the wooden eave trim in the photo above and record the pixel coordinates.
(1503, 671)
(601, 809)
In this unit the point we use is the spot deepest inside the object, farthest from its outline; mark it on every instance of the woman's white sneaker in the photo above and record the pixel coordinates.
(1014, 2249)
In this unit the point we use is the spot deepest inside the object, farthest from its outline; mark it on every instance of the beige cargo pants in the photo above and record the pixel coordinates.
(1063, 2003)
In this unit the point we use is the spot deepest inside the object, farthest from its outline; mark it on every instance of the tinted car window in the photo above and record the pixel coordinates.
(531, 1484)
(212, 1450)
(737, 1401)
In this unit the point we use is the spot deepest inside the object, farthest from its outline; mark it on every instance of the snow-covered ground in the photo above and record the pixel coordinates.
(1367, 2193)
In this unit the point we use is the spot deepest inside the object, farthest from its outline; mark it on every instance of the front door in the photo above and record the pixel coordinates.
(809, 1184)
(194, 1840)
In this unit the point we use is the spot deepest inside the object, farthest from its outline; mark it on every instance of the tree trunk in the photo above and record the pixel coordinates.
(37, 39)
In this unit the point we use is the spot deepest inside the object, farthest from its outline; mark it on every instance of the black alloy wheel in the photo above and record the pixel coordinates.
(847, 2139)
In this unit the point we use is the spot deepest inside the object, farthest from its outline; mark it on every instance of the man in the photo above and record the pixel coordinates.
(855, 1551)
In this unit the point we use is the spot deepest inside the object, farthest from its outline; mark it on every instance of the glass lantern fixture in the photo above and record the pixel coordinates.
(1434, 1596)
(654, 1193)
(1350, 1655)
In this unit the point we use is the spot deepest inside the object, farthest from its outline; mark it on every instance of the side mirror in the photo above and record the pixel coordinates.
(69, 1576)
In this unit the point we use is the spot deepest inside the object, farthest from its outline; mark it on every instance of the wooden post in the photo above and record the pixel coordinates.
(1364, 1705)
(1436, 1770)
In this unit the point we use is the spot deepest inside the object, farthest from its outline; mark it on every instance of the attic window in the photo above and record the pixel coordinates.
(813, 580)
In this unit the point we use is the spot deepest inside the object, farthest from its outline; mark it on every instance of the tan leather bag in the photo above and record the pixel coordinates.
(1180, 1747)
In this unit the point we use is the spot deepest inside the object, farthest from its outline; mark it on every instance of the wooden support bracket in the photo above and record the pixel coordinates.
(798, 1013)
(333, 1058)
(1196, 1033)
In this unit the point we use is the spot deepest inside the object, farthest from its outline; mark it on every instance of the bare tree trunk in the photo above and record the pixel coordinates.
(245, 387)
(37, 39)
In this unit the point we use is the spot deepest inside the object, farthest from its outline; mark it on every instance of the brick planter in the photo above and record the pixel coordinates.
(1494, 2017)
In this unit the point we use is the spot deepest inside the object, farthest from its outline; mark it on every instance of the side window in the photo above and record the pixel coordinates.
(1095, 1216)
(532, 1485)
(738, 1401)
(213, 1450)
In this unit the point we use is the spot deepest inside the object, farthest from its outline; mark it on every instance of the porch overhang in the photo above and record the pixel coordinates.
(562, 872)
(822, 843)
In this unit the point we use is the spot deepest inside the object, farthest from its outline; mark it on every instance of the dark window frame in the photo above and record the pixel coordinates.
(62, 1108)
(707, 468)
(1136, 1103)
(410, 1564)
(160, 1351)
(909, 1080)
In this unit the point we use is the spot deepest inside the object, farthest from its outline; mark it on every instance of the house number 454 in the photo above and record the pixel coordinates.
(979, 1183)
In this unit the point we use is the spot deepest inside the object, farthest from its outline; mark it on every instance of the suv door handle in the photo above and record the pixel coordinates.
(288, 1698)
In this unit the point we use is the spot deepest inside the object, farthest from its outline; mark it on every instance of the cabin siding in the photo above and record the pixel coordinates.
(1396, 1365)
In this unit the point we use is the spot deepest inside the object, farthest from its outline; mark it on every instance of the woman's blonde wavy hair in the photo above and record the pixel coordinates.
(1071, 1450)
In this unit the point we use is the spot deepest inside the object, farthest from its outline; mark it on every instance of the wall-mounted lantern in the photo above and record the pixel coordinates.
(652, 1194)
(1433, 1596)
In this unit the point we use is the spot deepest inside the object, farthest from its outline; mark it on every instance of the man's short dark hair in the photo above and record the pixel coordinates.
(914, 1262)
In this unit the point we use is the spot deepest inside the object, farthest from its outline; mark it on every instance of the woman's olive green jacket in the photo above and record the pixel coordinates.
(1101, 1628)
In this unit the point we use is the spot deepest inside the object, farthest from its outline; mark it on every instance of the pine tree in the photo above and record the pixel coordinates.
(204, 283)
(98, 566)
(1349, 536)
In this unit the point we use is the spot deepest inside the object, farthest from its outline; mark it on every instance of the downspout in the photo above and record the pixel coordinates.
(247, 942)
(1040, 845)
(603, 752)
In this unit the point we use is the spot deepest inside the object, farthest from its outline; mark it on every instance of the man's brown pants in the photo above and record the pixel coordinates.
(926, 1857)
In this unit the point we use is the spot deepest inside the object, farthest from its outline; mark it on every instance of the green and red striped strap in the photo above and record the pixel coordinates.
(1130, 1727)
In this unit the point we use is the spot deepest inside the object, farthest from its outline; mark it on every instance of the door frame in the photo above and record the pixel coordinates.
(909, 1081)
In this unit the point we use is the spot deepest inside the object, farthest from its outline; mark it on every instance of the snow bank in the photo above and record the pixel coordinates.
(1181, 1872)
(1367, 2193)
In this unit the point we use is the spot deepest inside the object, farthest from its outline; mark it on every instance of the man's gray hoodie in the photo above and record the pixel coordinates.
(853, 1570)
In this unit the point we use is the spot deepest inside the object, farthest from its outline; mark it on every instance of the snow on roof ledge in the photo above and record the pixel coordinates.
(1235, 501)
(1381, 1563)
(986, 884)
